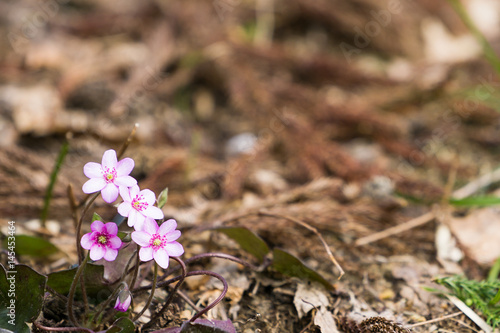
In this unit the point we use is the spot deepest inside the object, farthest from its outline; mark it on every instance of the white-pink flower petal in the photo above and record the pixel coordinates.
(125, 194)
(114, 242)
(93, 185)
(149, 196)
(93, 170)
(97, 252)
(150, 226)
(146, 253)
(110, 254)
(97, 226)
(161, 258)
(126, 181)
(87, 241)
(141, 238)
(124, 208)
(174, 249)
(125, 167)
(109, 159)
(153, 212)
(109, 193)
(167, 226)
(173, 235)
(111, 228)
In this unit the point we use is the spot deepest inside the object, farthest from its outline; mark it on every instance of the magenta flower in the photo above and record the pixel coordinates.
(102, 241)
(158, 243)
(137, 206)
(123, 300)
(108, 176)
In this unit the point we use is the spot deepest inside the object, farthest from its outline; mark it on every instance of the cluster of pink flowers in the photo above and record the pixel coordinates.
(112, 178)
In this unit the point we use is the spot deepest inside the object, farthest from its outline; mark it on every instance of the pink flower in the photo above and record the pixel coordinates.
(102, 241)
(158, 243)
(123, 300)
(108, 176)
(137, 206)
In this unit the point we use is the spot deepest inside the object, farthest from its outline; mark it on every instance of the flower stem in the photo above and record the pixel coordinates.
(104, 305)
(79, 248)
(153, 288)
(172, 293)
(72, 291)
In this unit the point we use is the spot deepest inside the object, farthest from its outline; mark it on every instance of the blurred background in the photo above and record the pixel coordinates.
(350, 114)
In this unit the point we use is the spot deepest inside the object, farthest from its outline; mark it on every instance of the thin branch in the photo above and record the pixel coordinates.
(308, 227)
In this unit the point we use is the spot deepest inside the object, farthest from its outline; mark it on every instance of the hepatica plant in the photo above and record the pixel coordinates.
(148, 243)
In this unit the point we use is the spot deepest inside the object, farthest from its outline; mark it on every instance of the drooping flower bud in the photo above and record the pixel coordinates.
(123, 300)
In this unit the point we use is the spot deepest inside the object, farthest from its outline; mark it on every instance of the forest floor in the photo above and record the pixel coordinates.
(352, 117)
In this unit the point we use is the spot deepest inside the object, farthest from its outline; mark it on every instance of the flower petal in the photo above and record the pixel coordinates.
(141, 238)
(111, 228)
(134, 190)
(161, 258)
(167, 226)
(125, 167)
(109, 159)
(114, 242)
(109, 193)
(97, 226)
(97, 252)
(150, 226)
(126, 181)
(93, 185)
(174, 249)
(146, 253)
(153, 212)
(173, 235)
(132, 217)
(87, 241)
(125, 194)
(124, 209)
(92, 170)
(149, 196)
(139, 219)
(139, 226)
(110, 254)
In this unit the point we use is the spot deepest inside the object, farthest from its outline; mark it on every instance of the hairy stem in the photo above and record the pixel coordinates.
(172, 292)
(72, 291)
(153, 289)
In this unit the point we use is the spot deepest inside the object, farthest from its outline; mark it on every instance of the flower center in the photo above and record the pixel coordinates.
(139, 204)
(109, 174)
(102, 239)
(158, 241)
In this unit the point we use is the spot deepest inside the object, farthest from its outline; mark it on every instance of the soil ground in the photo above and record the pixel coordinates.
(350, 116)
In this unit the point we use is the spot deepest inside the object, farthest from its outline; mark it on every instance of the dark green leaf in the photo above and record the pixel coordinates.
(21, 301)
(289, 265)
(96, 286)
(162, 198)
(476, 201)
(248, 241)
(32, 246)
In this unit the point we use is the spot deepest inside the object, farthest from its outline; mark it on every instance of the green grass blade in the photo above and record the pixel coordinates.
(53, 177)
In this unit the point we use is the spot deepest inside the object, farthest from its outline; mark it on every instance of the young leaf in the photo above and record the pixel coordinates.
(32, 246)
(96, 286)
(97, 217)
(202, 326)
(26, 288)
(248, 241)
(162, 198)
(287, 264)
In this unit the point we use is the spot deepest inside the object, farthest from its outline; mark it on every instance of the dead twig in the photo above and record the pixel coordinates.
(308, 227)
